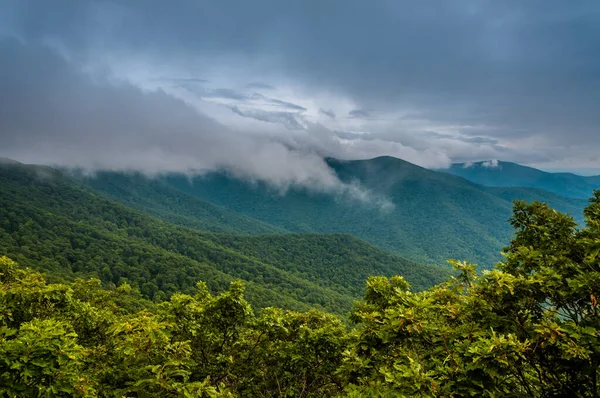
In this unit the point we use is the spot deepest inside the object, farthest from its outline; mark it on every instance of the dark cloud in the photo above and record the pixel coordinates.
(225, 93)
(51, 113)
(359, 114)
(470, 139)
(260, 86)
(242, 97)
(182, 80)
(288, 119)
(528, 71)
(286, 104)
(480, 140)
(327, 112)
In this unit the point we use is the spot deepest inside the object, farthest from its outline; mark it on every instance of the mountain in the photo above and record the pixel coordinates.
(420, 214)
(156, 198)
(564, 205)
(506, 174)
(53, 223)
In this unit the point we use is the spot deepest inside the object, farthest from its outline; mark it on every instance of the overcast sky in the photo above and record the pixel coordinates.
(266, 89)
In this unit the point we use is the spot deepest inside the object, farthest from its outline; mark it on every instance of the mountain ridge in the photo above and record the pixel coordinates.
(509, 174)
(436, 215)
(53, 223)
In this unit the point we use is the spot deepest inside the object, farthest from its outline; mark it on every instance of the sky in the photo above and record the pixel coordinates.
(267, 89)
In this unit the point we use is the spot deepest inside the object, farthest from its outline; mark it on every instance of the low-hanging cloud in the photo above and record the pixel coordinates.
(52, 113)
(327, 112)
(490, 164)
(290, 120)
(465, 80)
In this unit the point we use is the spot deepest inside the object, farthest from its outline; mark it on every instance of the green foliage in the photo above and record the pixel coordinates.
(435, 216)
(339, 262)
(42, 358)
(530, 327)
(189, 346)
(154, 197)
(571, 206)
(50, 223)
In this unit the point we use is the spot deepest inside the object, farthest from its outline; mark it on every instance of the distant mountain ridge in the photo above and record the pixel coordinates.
(436, 216)
(53, 223)
(507, 174)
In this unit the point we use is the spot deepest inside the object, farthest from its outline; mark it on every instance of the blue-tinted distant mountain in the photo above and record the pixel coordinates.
(507, 174)
(435, 216)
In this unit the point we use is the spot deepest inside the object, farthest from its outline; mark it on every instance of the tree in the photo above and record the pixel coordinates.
(530, 327)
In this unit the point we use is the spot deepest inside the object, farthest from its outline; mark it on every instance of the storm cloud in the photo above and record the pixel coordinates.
(451, 81)
(53, 114)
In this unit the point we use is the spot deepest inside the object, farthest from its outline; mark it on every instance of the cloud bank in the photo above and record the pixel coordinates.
(53, 113)
(268, 87)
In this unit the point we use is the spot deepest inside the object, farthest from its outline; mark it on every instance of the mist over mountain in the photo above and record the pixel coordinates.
(86, 88)
(277, 198)
(424, 215)
(50, 222)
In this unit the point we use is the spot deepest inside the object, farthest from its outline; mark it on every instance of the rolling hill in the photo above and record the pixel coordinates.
(154, 197)
(50, 222)
(435, 215)
(507, 174)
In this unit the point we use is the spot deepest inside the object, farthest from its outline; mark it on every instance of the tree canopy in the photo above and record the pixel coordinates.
(529, 327)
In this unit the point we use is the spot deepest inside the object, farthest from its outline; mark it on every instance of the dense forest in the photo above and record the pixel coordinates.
(156, 198)
(529, 327)
(50, 223)
(422, 215)
(299, 199)
(508, 174)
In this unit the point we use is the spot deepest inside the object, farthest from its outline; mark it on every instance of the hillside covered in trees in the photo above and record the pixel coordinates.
(423, 215)
(508, 174)
(51, 223)
(528, 328)
(295, 199)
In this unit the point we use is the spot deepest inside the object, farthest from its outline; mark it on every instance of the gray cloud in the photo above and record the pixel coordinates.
(182, 80)
(490, 164)
(241, 97)
(288, 119)
(224, 93)
(327, 112)
(359, 114)
(286, 104)
(260, 86)
(527, 72)
(53, 114)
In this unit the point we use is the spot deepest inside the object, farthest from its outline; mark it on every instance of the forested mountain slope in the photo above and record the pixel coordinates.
(570, 206)
(507, 174)
(434, 216)
(339, 261)
(528, 328)
(153, 196)
(422, 225)
(50, 222)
